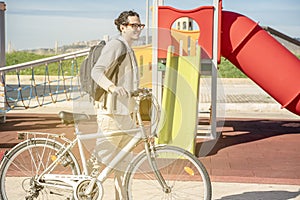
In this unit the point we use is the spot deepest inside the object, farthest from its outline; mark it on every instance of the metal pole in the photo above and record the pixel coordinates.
(156, 75)
(161, 2)
(147, 21)
(214, 77)
(2, 61)
(155, 84)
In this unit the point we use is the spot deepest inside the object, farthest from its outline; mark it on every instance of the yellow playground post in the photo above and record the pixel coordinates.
(178, 124)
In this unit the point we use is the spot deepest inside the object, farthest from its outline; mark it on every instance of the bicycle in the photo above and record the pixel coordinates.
(44, 166)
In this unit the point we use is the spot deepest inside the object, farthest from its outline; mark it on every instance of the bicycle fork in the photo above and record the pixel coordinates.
(150, 151)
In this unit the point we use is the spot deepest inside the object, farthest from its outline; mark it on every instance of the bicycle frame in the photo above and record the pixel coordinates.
(73, 179)
(139, 134)
(119, 157)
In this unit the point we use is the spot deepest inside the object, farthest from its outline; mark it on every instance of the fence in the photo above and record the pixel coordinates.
(40, 82)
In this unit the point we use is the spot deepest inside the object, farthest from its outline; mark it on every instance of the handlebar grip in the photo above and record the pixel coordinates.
(134, 93)
(142, 91)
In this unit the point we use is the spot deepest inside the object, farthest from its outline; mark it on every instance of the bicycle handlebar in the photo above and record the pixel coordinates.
(141, 92)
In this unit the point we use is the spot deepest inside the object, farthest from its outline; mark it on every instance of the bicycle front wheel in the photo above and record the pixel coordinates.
(183, 173)
(22, 165)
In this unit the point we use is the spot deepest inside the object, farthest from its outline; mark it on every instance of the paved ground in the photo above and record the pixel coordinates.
(256, 157)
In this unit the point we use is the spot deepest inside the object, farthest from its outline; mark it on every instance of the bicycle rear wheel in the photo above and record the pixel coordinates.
(21, 166)
(183, 173)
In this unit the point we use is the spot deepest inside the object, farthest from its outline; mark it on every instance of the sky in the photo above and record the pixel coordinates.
(34, 24)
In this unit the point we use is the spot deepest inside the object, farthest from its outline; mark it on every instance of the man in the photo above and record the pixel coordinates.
(114, 112)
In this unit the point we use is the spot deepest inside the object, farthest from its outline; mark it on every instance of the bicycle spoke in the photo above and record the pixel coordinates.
(184, 175)
(24, 164)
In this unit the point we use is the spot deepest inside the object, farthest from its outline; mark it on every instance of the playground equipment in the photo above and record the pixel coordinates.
(31, 91)
(263, 59)
(208, 21)
(243, 42)
(223, 33)
(180, 100)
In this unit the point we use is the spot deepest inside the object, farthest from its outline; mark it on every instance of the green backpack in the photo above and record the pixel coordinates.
(88, 85)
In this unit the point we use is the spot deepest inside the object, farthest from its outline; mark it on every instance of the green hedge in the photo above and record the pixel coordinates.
(22, 57)
(228, 70)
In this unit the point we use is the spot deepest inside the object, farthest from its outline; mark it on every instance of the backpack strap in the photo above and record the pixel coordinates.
(120, 59)
(115, 70)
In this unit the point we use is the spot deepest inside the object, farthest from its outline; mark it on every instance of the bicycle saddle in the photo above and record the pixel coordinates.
(70, 118)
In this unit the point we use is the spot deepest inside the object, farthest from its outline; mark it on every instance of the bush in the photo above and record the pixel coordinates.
(53, 68)
(21, 57)
(228, 70)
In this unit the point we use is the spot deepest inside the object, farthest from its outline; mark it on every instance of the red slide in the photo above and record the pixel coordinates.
(262, 58)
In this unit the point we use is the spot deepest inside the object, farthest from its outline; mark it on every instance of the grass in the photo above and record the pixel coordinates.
(228, 70)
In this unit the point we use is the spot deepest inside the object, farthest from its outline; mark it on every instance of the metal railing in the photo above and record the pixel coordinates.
(45, 61)
(15, 93)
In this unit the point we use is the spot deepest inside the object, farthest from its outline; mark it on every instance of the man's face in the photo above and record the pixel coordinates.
(133, 28)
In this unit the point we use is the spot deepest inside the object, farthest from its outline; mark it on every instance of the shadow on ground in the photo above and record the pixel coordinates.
(238, 131)
(21, 122)
(263, 195)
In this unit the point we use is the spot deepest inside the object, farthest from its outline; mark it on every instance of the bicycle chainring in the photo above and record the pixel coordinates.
(96, 193)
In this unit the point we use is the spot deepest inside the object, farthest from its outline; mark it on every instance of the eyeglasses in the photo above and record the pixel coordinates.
(135, 25)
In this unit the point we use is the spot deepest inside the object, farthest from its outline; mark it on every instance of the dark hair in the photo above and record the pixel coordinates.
(123, 18)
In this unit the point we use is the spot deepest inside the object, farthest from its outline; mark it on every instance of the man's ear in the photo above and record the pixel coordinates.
(122, 27)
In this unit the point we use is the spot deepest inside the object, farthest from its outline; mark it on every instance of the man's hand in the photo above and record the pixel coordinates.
(121, 91)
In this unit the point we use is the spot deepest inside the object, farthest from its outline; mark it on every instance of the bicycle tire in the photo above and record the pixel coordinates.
(183, 173)
(27, 160)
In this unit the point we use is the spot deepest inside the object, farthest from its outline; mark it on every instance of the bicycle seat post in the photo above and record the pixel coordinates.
(76, 128)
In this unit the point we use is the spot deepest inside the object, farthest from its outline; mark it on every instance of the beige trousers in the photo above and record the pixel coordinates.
(108, 147)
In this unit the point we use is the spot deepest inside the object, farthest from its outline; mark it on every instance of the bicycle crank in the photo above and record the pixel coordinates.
(89, 190)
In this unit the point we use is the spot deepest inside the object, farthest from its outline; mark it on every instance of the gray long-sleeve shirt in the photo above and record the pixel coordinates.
(127, 76)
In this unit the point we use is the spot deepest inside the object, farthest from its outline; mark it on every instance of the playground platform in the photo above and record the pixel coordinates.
(255, 157)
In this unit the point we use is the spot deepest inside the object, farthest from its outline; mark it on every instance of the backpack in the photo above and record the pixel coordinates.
(87, 83)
